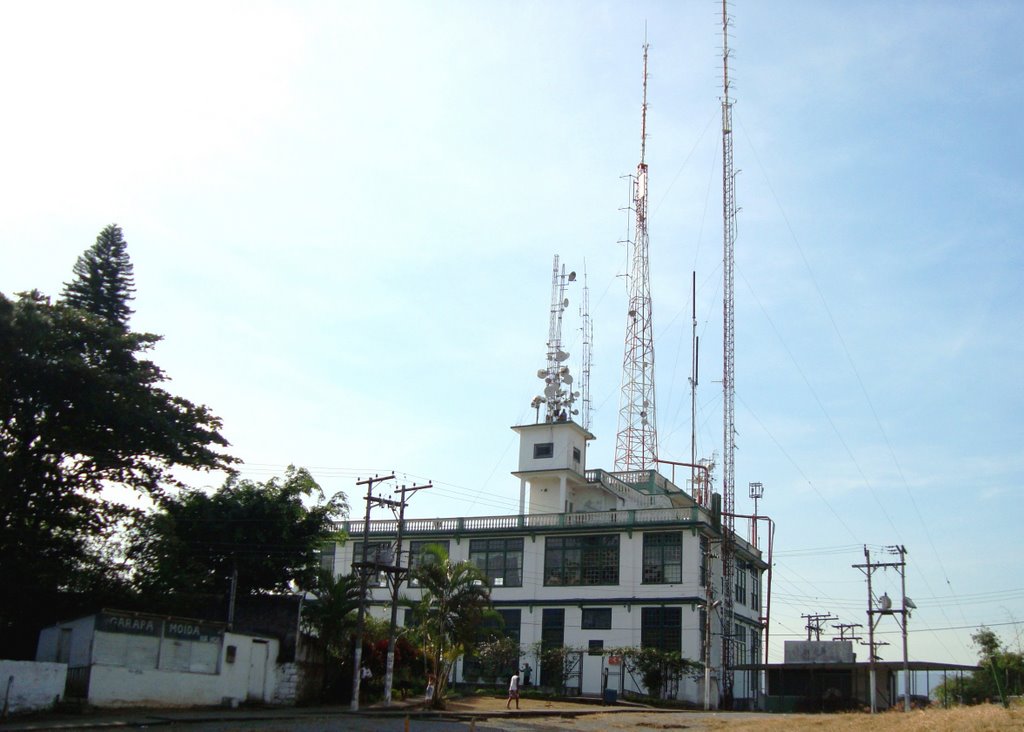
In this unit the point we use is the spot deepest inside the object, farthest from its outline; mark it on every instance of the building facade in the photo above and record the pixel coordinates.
(593, 561)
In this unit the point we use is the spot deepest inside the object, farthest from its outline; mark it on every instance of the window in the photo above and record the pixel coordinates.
(755, 589)
(581, 560)
(326, 553)
(512, 620)
(416, 556)
(500, 559)
(596, 618)
(506, 625)
(741, 585)
(552, 635)
(576, 455)
(755, 646)
(380, 553)
(662, 628)
(663, 558)
(740, 642)
(595, 648)
(543, 450)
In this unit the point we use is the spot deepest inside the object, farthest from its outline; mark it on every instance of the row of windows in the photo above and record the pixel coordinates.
(660, 627)
(572, 561)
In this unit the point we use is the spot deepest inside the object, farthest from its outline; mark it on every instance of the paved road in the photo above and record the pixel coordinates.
(693, 722)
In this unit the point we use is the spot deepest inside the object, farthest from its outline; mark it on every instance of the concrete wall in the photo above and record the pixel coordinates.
(31, 686)
(69, 642)
(251, 675)
(818, 652)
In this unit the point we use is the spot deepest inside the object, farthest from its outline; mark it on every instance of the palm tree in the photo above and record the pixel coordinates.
(331, 618)
(453, 600)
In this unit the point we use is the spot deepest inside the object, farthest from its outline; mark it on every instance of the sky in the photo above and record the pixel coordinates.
(342, 218)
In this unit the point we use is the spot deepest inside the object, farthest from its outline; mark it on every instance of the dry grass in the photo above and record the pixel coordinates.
(989, 718)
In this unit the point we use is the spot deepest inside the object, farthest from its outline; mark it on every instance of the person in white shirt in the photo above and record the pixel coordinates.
(513, 691)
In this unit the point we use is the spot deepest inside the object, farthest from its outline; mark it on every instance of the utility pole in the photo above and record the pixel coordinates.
(900, 615)
(843, 627)
(709, 604)
(814, 623)
(364, 575)
(395, 575)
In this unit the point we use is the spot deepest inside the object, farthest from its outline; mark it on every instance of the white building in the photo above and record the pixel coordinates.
(117, 658)
(593, 560)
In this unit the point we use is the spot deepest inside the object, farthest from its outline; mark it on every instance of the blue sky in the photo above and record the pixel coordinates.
(342, 218)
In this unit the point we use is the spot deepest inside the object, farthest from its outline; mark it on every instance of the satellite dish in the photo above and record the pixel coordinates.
(909, 603)
(572, 276)
(632, 313)
(567, 378)
(644, 421)
(542, 373)
(537, 401)
(885, 602)
(565, 303)
(575, 394)
(561, 356)
(575, 411)
(550, 390)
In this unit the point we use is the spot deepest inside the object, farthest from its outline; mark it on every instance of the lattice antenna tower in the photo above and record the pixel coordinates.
(587, 326)
(728, 365)
(558, 396)
(636, 446)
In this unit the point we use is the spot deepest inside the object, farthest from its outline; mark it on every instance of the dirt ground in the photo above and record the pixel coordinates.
(989, 718)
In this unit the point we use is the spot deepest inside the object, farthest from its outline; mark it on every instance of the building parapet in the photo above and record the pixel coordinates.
(530, 521)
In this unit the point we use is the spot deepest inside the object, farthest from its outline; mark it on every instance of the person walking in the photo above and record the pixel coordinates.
(513, 691)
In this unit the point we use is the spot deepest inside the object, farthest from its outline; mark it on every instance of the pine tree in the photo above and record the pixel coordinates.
(103, 282)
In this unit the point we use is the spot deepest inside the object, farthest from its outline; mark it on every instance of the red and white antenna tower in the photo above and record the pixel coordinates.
(636, 446)
(728, 368)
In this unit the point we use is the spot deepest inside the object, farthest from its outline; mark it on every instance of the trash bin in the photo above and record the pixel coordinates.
(610, 696)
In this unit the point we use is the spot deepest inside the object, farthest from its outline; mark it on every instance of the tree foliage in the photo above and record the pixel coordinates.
(81, 409)
(1000, 674)
(104, 279)
(450, 612)
(656, 667)
(265, 531)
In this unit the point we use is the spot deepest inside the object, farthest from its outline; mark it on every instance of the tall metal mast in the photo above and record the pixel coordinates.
(729, 368)
(636, 446)
(558, 395)
(588, 350)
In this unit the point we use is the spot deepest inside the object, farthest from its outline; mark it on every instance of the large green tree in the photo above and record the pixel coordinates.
(82, 411)
(1000, 674)
(449, 615)
(268, 535)
(104, 279)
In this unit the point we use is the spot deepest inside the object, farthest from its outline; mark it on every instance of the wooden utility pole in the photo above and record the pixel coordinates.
(364, 575)
(396, 574)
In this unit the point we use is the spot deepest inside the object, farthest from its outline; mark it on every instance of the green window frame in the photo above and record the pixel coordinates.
(662, 558)
(581, 560)
(500, 559)
(662, 628)
(596, 618)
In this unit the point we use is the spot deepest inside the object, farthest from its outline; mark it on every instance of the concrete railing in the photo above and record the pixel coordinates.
(534, 521)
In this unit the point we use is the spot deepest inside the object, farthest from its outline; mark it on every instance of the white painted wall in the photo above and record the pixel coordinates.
(120, 686)
(30, 686)
(69, 642)
(564, 435)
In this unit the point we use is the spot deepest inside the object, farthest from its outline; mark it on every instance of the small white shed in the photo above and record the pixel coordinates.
(118, 658)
